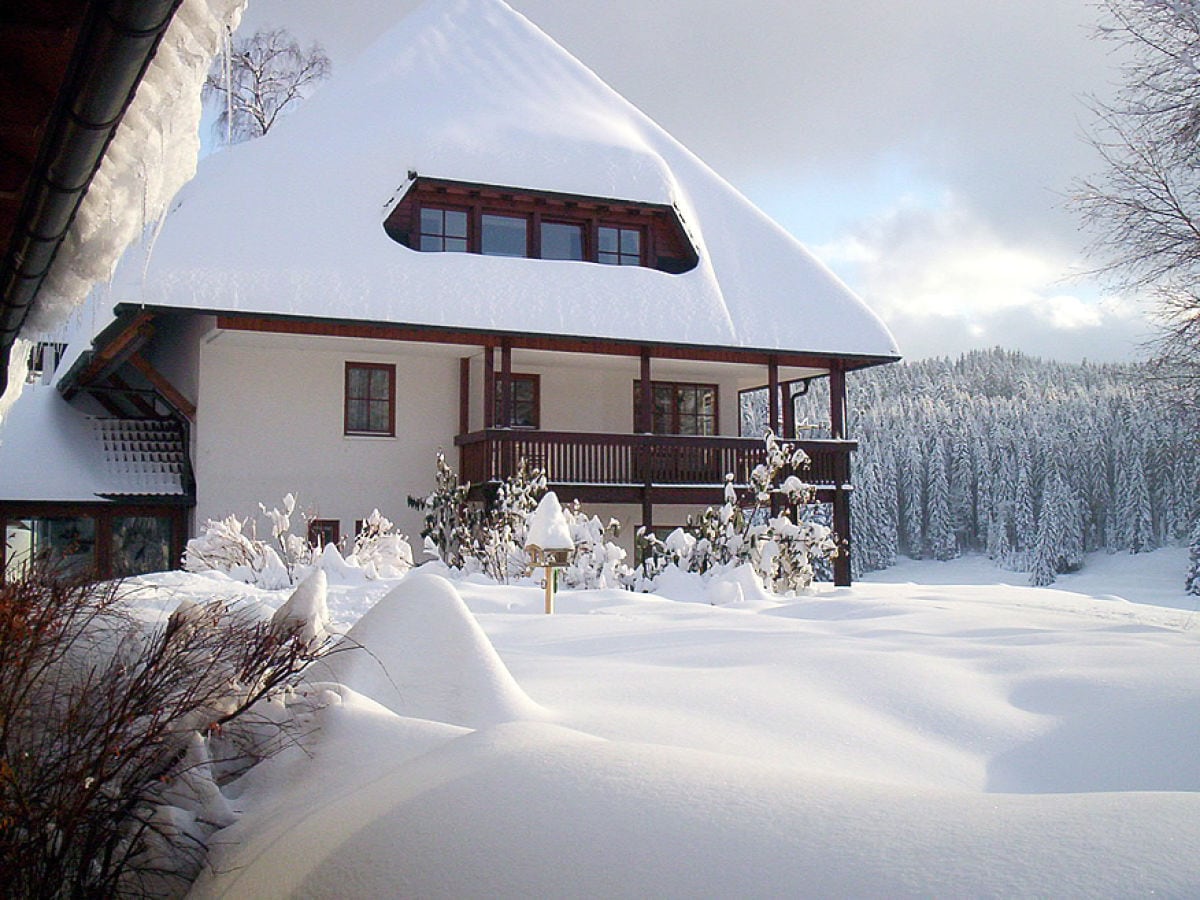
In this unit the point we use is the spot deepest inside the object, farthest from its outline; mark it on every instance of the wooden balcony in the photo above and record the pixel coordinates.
(622, 467)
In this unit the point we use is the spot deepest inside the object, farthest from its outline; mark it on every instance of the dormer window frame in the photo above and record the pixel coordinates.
(662, 241)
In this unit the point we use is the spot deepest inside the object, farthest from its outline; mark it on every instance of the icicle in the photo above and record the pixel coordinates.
(228, 52)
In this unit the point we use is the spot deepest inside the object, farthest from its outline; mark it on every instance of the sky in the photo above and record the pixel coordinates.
(924, 150)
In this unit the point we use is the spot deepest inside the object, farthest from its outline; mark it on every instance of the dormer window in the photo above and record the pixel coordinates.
(440, 216)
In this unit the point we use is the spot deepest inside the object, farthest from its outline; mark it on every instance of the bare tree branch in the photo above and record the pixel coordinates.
(268, 72)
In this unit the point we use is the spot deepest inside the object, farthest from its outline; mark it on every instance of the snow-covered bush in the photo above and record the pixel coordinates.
(223, 546)
(782, 549)
(597, 561)
(111, 732)
(469, 538)
(379, 551)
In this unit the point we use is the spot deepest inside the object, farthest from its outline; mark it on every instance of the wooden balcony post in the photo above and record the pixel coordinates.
(789, 411)
(489, 387)
(646, 419)
(837, 402)
(773, 394)
(841, 525)
(464, 395)
(506, 383)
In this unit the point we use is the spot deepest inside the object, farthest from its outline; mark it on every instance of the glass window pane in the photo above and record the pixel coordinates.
(432, 243)
(504, 236)
(456, 245)
(141, 544)
(631, 241)
(608, 239)
(562, 241)
(432, 221)
(379, 417)
(67, 543)
(379, 384)
(456, 223)
(356, 382)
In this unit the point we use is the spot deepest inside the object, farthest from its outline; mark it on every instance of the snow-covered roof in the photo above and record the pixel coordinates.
(469, 90)
(51, 451)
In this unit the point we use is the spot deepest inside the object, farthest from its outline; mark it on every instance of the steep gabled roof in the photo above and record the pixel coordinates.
(470, 90)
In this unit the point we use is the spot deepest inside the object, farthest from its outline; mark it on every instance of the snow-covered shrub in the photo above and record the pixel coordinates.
(783, 552)
(467, 537)
(450, 519)
(380, 550)
(597, 561)
(223, 546)
(111, 731)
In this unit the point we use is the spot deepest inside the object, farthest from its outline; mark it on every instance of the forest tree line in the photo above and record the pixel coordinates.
(1029, 461)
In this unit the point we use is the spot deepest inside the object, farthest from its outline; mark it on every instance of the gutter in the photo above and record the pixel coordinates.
(116, 44)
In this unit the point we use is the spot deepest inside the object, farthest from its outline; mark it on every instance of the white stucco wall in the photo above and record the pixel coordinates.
(270, 420)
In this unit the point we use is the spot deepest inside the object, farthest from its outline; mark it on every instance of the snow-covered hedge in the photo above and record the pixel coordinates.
(231, 546)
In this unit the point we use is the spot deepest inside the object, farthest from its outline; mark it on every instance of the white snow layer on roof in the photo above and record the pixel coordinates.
(469, 90)
(151, 156)
(50, 451)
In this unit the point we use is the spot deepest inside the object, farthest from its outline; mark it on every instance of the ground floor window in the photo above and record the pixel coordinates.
(109, 542)
(322, 532)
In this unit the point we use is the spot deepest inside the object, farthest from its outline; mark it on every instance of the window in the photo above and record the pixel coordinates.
(444, 229)
(679, 407)
(562, 240)
(526, 401)
(370, 399)
(322, 532)
(620, 246)
(504, 235)
(140, 544)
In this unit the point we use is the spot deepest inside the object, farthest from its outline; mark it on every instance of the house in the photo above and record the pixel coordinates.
(465, 241)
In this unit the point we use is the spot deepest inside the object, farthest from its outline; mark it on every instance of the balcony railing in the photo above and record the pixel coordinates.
(637, 459)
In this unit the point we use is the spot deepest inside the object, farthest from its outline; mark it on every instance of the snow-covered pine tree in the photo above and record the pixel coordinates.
(940, 528)
(1192, 582)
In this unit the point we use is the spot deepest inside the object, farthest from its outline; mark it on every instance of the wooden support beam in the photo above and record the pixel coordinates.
(116, 352)
(126, 391)
(506, 411)
(841, 526)
(773, 394)
(168, 391)
(489, 387)
(837, 403)
(464, 395)
(646, 419)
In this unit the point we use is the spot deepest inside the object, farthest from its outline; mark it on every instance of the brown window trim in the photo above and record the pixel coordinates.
(536, 381)
(390, 368)
(655, 383)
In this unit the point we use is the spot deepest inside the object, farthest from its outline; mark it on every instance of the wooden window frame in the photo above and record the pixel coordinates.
(390, 368)
(536, 381)
(619, 227)
(675, 415)
(442, 236)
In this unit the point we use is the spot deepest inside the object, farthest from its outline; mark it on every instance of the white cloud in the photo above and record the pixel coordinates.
(946, 282)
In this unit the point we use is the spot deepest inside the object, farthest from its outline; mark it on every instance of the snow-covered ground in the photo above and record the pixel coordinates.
(931, 731)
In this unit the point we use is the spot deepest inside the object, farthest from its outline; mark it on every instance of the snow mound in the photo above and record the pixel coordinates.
(537, 810)
(419, 652)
